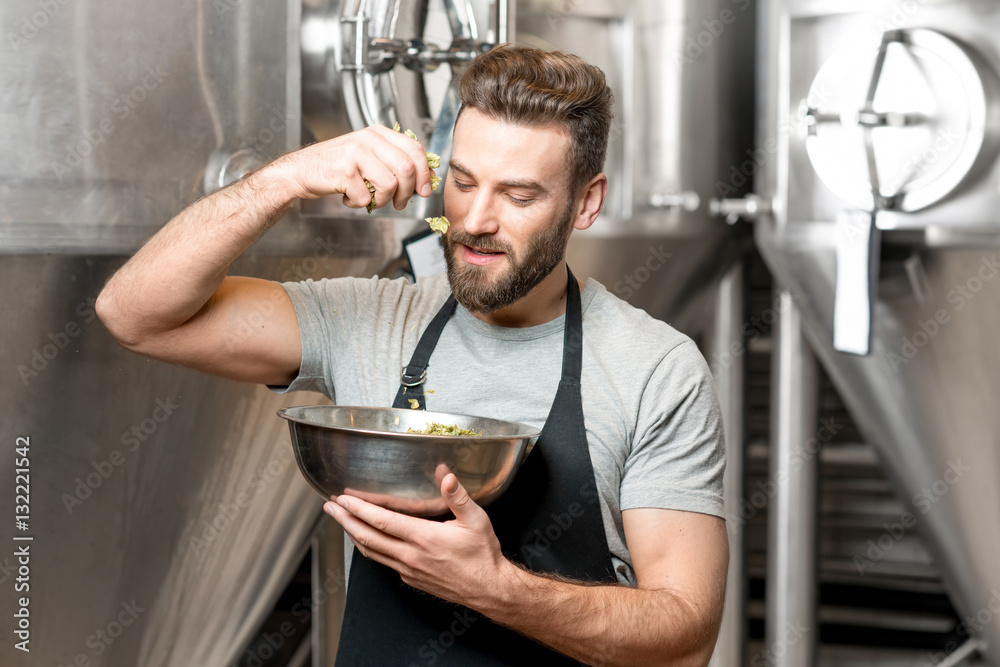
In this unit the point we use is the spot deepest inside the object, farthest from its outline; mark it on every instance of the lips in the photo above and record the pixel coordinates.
(480, 256)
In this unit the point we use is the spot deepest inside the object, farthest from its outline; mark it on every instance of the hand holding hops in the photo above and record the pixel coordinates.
(433, 161)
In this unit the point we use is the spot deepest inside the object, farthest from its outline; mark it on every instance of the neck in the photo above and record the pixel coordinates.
(544, 303)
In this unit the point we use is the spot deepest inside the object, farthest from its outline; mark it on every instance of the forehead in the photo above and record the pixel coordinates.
(498, 151)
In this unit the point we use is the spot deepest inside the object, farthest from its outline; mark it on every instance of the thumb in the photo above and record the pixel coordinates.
(458, 499)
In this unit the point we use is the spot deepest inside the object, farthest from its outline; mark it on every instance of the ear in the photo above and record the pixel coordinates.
(590, 201)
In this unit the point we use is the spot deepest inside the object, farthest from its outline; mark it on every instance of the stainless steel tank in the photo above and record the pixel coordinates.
(878, 143)
(165, 511)
(681, 76)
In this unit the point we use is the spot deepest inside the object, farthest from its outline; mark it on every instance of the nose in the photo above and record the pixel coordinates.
(481, 217)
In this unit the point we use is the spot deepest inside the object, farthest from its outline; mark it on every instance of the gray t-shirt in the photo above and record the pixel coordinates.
(649, 404)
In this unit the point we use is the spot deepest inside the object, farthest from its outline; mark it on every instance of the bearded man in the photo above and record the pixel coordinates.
(609, 547)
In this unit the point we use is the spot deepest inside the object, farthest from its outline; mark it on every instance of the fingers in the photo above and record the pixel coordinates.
(458, 499)
(371, 542)
(394, 164)
(383, 520)
(374, 171)
(411, 506)
(440, 472)
(409, 164)
(357, 194)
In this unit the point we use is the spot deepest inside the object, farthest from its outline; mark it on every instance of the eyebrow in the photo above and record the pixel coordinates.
(520, 184)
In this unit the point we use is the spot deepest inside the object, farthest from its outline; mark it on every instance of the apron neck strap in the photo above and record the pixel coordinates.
(413, 375)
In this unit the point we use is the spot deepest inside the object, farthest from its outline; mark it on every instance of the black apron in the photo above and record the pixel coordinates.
(548, 520)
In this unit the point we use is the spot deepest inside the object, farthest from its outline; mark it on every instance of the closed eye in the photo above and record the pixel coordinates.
(517, 201)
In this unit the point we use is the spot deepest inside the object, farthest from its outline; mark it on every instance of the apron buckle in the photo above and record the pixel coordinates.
(408, 379)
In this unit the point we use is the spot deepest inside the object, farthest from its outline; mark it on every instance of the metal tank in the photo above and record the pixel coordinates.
(683, 114)
(682, 76)
(166, 514)
(877, 149)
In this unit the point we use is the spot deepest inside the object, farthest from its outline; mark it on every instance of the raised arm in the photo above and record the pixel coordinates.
(173, 300)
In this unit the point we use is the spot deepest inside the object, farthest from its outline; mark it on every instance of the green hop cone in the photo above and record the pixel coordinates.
(433, 159)
(439, 224)
(371, 204)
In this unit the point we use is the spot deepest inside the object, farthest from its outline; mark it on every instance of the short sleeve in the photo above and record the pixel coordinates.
(678, 457)
(319, 306)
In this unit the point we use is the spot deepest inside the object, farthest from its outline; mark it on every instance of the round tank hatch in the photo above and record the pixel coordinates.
(383, 62)
(897, 127)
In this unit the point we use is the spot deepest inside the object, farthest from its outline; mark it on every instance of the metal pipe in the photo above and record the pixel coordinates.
(727, 356)
(966, 650)
(791, 628)
(328, 591)
(504, 20)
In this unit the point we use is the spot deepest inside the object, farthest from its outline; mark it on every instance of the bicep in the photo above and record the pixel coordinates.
(246, 331)
(686, 553)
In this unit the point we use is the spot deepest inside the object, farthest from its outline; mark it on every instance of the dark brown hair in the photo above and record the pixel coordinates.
(526, 86)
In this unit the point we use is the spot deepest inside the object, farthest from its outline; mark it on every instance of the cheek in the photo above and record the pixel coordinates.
(454, 204)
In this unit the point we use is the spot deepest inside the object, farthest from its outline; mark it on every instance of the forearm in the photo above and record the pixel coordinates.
(605, 624)
(178, 270)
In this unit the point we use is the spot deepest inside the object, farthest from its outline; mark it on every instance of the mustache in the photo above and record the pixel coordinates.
(482, 241)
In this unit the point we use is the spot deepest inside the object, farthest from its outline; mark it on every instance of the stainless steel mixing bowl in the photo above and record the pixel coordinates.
(366, 452)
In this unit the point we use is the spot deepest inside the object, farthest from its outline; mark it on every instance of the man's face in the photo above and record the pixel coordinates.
(507, 199)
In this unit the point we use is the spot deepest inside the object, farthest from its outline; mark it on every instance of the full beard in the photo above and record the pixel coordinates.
(476, 290)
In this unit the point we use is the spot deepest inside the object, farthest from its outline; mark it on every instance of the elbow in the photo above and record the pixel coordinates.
(701, 650)
(110, 313)
(696, 645)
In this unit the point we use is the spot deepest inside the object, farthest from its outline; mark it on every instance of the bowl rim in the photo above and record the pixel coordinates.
(531, 433)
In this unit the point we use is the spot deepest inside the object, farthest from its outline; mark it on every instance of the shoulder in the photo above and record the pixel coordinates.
(611, 321)
(372, 293)
(639, 360)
